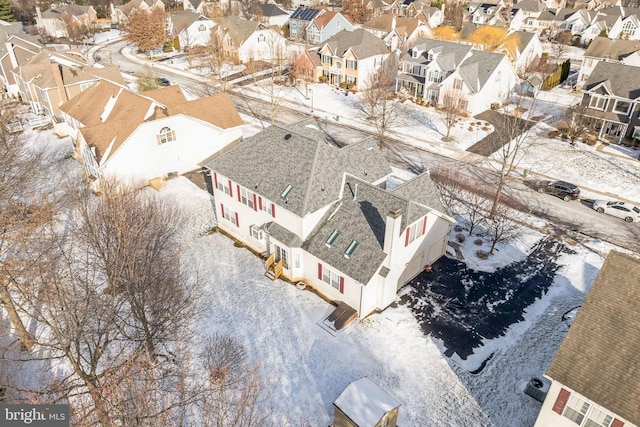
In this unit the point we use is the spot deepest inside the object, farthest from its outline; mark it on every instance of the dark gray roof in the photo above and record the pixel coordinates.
(602, 47)
(531, 5)
(600, 356)
(421, 190)
(298, 155)
(360, 215)
(619, 79)
(283, 235)
(269, 9)
(361, 42)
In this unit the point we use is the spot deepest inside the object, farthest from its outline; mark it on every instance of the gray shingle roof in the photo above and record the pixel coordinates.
(450, 56)
(363, 44)
(600, 356)
(270, 10)
(298, 155)
(602, 47)
(622, 80)
(360, 215)
(478, 67)
(182, 20)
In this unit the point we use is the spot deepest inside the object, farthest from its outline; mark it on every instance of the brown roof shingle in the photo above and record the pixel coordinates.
(600, 356)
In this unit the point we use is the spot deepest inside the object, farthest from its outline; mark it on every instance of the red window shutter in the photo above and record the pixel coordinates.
(255, 206)
(319, 271)
(561, 401)
(239, 193)
(237, 222)
(617, 423)
(406, 238)
(221, 210)
(260, 202)
(424, 225)
(341, 285)
(215, 179)
(273, 210)
(230, 189)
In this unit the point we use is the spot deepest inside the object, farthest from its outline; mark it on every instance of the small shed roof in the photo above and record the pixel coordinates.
(364, 402)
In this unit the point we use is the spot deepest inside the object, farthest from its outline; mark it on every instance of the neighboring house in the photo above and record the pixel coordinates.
(397, 32)
(246, 41)
(202, 7)
(609, 99)
(574, 21)
(307, 66)
(50, 79)
(420, 9)
(57, 21)
(523, 49)
(602, 49)
(325, 25)
(120, 14)
(484, 13)
(328, 216)
(300, 19)
(15, 50)
(524, 12)
(365, 404)
(433, 69)
(593, 373)
(272, 14)
(136, 138)
(544, 23)
(627, 28)
(191, 29)
(352, 57)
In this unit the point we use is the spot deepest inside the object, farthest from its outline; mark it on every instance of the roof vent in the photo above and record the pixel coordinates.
(287, 137)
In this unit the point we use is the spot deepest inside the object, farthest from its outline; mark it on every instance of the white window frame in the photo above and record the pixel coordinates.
(330, 277)
(586, 414)
(626, 112)
(596, 105)
(224, 187)
(256, 232)
(229, 215)
(246, 197)
(636, 132)
(166, 135)
(415, 231)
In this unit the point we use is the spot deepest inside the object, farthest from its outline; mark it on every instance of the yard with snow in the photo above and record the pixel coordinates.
(307, 368)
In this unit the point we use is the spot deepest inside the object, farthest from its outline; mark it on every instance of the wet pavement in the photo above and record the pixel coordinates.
(461, 307)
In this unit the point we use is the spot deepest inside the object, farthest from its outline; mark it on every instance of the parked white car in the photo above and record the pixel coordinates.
(623, 210)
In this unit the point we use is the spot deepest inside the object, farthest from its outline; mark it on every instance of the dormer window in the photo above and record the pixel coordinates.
(202, 27)
(166, 135)
(414, 53)
(352, 247)
(261, 38)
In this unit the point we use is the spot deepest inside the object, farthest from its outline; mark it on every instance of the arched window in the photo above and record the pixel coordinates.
(166, 135)
(261, 38)
(202, 28)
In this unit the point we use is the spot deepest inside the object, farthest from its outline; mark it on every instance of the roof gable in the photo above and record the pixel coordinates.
(600, 355)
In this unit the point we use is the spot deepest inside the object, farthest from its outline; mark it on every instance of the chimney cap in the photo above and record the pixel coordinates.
(395, 213)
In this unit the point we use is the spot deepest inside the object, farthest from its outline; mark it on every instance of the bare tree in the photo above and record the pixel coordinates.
(502, 227)
(146, 30)
(378, 104)
(452, 102)
(356, 10)
(454, 13)
(272, 86)
(577, 122)
(237, 395)
(215, 58)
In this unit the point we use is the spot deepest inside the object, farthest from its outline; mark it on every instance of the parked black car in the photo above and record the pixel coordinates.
(565, 190)
(163, 81)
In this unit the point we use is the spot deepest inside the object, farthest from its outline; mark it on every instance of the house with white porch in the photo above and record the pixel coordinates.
(609, 100)
(433, 69)
(138, 139)
(328, 217)
(593, 373)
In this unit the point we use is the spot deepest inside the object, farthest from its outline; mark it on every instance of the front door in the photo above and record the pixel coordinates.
(281, 254)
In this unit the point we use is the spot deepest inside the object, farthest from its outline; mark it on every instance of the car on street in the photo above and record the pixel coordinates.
(163, 81)
(565, 190)
(626, 211)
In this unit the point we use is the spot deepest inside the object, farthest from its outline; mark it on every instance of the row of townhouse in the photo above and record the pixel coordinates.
(328, 216)
(58, 22)
(434, 69)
